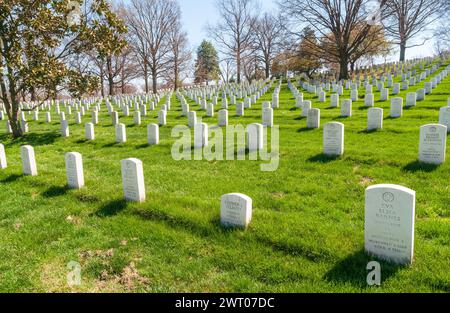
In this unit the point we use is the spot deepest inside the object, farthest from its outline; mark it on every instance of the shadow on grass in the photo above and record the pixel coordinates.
(111, 208)
(11, 178)
(367, 131)
(305, 129)
(353, 270)
(142, 146)
(32, 139)
(55, 191)
(110, 145)
(418, 166)
(293, 109)
(299, 118)
(323, 158)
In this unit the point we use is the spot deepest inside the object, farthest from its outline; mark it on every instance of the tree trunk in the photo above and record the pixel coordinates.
(154, 81)
(102, 83)
(175, 84)
(402, 51)
(146, 76)
(343, 68)
(267, 69)
(33, 94)
(238, 66)
(110, 76)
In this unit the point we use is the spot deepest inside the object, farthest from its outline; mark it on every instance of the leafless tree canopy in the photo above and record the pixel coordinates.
(151, 22)
(405, 20)
(234, 31)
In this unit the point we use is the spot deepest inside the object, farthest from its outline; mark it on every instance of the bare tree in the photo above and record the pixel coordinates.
(227, 72)
(408, 19)
(180, 56)
(269, 38)
(151, 22)
(347, 24)
(234, 31)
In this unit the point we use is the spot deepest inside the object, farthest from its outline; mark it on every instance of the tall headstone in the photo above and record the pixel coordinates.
(374, 119)
(162, 117)
(153, 134)
(389, 223)
(192, 118)
(3, 163)
(74, 170)
(121, 135)
(235, 210)
(28, 160)
(65, 128)
(433, 143)
(333, 139)
(346, 108)
(200, 135)
(268, 117)
(223, 117)
(305, 108)
(444, 117)
(89, 129)
(334, 100)
(255, 134)
(313, 119)
(137, 117)
(133, 180)
(411, 98)
(396, 107)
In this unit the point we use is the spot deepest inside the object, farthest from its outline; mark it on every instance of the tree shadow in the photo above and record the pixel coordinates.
(55, 191)
(305, 129)
(111, 208)
(33, 139)
(353, 270)
(418, 166)
(323, 158)
(11, 178)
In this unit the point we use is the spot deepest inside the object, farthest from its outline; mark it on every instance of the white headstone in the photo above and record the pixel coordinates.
(369, 100)
(333, 139)
(313, 119)
(444, 117)
(48, 117)
(121, 135)
(3, 163)
(305, 108)
(267, 117)
(255, 138)
(235, 210)
(153, 134)
(65, 128)
(223, 117)
(28, 160)
(334, 100)
(133, 180)
(240, 109)
(200, 135)
(346, 108)
(433, 142)
(396, 107)
(374, 118)
(192, 118)
(137, 117)
(389, 223)
(74, 170)
(162, 118)
(411, 98)
(89, 129)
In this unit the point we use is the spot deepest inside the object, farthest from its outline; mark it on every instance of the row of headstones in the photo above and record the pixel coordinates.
(389, 209)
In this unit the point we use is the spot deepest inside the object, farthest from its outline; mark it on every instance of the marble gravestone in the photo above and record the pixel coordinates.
(333, 139)
(305, 108)
(65, 128)
(267, 117)
(28, 160)
(192, 118)
(200, 135)
(235, 210)
(223, 118)
(89, 129)
(369, 100)
(74, 170)
(162, 117)
(121, 135)
(444, 117)
(153, 134)
(374, 119)
(313, 119)
(334, 100)
(433, 142)
(396, 107)
(411, 99)
(346, 108)
(3, 163)
(389, 223)
(133, 180)
(254, 140)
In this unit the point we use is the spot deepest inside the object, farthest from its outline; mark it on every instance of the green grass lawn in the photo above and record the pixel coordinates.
(307, 231)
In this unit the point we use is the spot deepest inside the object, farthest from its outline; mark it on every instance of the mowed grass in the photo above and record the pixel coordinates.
(307, 232)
